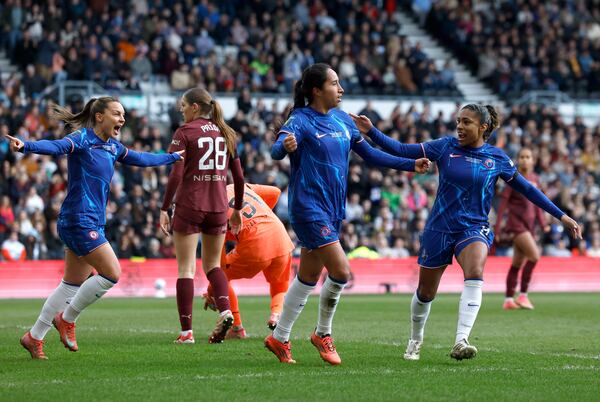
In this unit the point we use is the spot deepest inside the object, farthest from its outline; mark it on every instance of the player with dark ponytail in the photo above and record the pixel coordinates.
(458, 223)
(318, 137)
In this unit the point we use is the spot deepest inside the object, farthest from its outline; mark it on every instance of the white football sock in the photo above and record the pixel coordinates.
(58, 300)
(90, 291)
(294, 302)
(419, 312)
(470, 302)
(328, 301)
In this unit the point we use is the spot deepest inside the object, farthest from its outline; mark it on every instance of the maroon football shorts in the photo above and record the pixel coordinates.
(190, 222)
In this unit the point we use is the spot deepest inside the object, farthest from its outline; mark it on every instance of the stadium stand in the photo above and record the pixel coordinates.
(123, 49)
(519, 46)
(123, 46)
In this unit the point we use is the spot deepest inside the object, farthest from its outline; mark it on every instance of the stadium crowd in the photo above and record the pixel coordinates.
(386, 210)
(207, 44)
(520, 45)
(55, 40)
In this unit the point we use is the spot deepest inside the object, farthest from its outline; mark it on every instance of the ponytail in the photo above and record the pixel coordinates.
(85, 118)
(299, 93)
(494, 122)
(313, 76)
(208, 105)
(228, 132)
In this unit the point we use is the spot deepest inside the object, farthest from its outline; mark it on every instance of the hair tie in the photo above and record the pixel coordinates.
(487, 118)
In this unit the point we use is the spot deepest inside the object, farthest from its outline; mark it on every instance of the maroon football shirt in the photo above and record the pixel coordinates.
(522, 213)
(203, 174)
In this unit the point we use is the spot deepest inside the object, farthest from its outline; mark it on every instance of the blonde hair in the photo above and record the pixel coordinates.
(210, 106)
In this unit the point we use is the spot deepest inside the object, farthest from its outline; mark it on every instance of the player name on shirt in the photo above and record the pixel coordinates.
(209, 127)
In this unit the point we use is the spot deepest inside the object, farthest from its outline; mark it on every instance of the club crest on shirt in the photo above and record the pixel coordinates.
(488, 163)
(325, 231)
(93, 235)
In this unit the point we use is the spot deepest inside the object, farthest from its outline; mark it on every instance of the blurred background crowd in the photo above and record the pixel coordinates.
(190, 43)
(522, 45)
(121, 45)
(386, 210)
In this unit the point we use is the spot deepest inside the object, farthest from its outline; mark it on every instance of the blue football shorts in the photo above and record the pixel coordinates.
(437, 248)
(317, 234)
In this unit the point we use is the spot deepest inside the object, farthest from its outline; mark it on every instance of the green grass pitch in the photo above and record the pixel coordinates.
(126, 353)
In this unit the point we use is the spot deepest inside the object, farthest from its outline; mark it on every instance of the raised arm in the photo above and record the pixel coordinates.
(146, 159)
(518, 183)
(44, 147)
(376, 157)
(413, 151)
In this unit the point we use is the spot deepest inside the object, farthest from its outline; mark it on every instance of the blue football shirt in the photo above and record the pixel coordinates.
(91, 165)
(319, 167)
(467, 183)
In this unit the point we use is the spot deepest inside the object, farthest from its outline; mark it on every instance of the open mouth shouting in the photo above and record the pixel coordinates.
(117, 129)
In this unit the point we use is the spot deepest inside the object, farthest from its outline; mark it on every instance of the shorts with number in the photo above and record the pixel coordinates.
(313, 235)
(190, 222)
(81, 239)
(437, 248)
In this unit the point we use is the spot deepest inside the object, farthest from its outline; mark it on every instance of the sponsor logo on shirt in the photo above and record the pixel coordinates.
(335, 134)
(210, 177)
(455, 155)
(488, 163)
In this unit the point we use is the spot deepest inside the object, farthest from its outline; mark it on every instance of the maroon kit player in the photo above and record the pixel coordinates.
(201, 204)
(519, 228)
